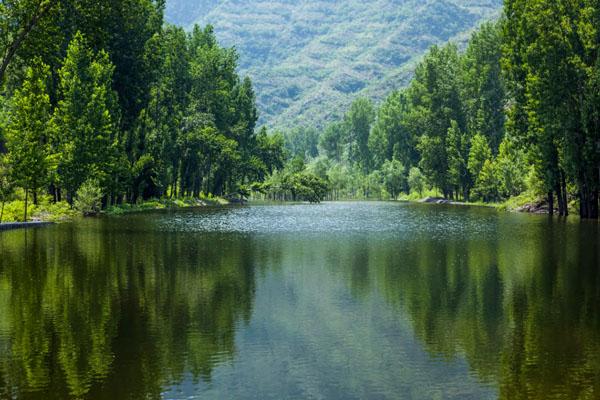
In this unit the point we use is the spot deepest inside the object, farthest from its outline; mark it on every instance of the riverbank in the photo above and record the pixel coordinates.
(441, 200)
(165, 204)
(23, 225)
(49, 213)
(46, 214)
(525, 203)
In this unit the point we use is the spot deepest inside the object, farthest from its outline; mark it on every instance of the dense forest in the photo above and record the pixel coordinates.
(515, 115)
(106, 100)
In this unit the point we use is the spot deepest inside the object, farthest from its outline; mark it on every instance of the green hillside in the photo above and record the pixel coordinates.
(310, 58)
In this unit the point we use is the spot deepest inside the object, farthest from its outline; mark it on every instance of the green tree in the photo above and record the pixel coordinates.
(85, 120)
(458, 158)
(6, 184)
(482, 83)
(390, 136)
(305, 186)
(416, 180)
(28, 131)
(480, 153)
(18, 19)
(359, 120)
(435, 100)
(302, 141)
(160, 124)
(338, 177)
(551, 58)
(89, 198)
(334, 140)
(270, 151)
(128, 30)
(394, 177)
(511, 169)
(486, 187)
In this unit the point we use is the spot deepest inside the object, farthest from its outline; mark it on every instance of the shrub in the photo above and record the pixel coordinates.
(416, 180)
(89, 198)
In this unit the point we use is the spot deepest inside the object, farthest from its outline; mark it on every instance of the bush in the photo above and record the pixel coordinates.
(416, 180)
(89, 198)
(486, 187)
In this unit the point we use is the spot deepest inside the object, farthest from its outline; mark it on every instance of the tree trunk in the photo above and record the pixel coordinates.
(2, 211)
(197, 186)
(595, 206)
(26, 200)
(559, 199)
(565, 194)
(52, 190)
(174, 183)
(35, 197)
(551, 202)
(19, 39)
(588, 207)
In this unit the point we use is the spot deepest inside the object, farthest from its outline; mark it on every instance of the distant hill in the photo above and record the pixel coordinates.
(310, 58)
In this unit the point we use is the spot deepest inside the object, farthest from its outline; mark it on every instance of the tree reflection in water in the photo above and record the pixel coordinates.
(117, 315)
(110, 311)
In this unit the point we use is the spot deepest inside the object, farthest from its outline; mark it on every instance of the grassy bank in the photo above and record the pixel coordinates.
(165, 204)
(47, 211)
(514, 204)
(421, 197)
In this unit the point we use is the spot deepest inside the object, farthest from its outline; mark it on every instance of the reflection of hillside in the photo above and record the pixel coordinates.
(117, 312)
(524, 313)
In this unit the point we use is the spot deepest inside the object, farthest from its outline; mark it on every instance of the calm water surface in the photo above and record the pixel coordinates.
(336, 301)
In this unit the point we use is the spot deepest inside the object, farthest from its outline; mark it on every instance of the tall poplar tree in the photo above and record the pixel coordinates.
(359, 121)
(436, 102)
(28, 131)
(85, 120)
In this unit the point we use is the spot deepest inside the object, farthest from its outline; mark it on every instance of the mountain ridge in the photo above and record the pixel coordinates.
(310, 58)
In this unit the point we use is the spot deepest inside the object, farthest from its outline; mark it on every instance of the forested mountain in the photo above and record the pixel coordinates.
(310, 58)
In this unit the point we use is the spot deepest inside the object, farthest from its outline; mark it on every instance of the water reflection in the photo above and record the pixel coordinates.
(113, 314)
(522, 307)
(491, 306)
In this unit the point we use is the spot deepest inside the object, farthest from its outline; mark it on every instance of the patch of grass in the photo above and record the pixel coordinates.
(416, 196)
(46, 210)
(521, 200)
(161, 204)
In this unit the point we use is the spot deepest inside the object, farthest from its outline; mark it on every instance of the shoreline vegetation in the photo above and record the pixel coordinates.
(112, 116)
(46, 213)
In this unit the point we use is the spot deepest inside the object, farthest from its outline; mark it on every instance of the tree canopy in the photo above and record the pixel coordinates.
(112, 95)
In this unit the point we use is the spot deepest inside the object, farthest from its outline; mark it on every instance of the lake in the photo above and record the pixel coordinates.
(331, 301)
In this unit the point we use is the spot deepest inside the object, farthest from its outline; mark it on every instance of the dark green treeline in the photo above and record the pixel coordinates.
(517, 113)
(107, 93)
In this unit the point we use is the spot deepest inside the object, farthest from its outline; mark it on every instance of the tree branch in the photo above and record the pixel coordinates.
(41, 10)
